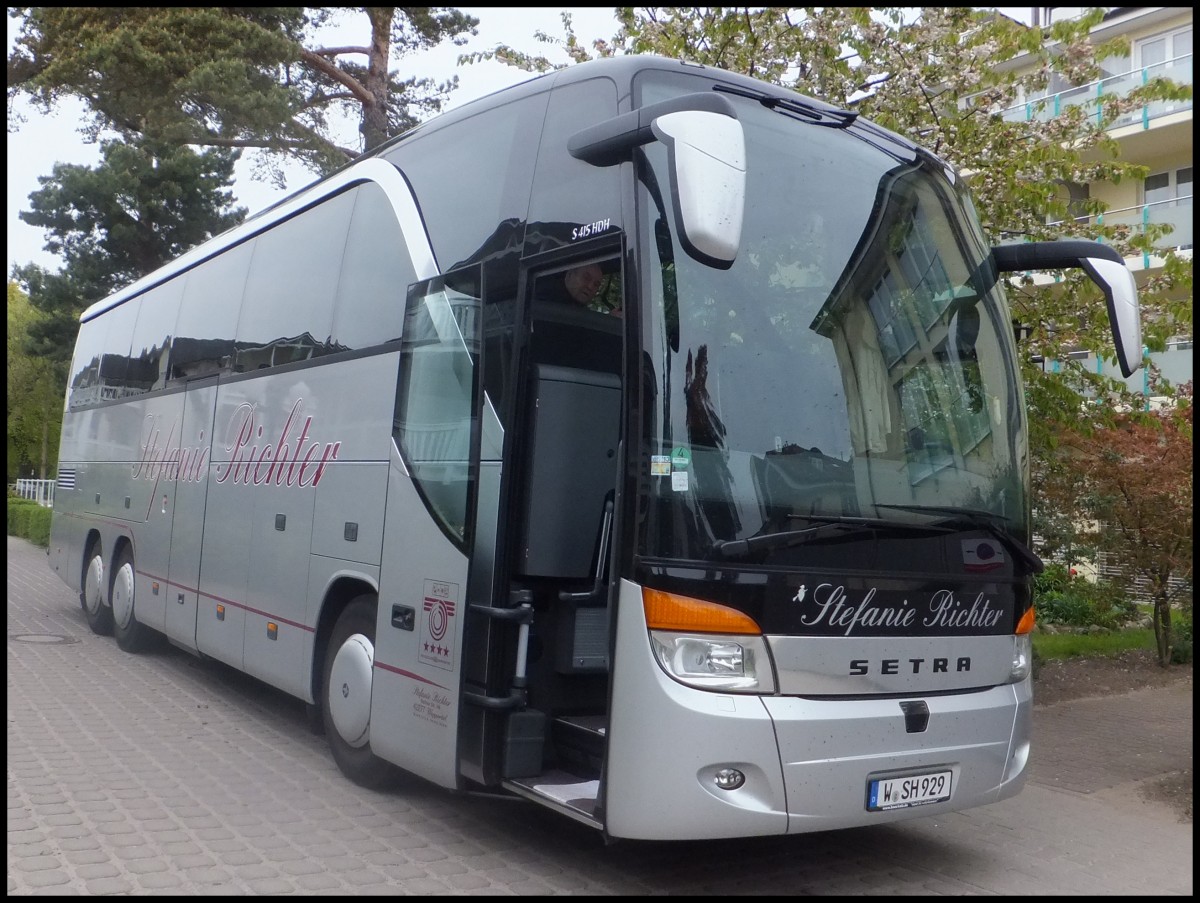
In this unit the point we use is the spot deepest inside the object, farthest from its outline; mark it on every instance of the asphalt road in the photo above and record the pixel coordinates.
(162, 773)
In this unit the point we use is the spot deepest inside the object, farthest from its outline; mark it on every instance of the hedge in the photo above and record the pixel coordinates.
(29, 520)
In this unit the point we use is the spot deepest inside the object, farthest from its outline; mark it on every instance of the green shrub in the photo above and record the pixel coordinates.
(29, 520)
(1060, 598)
(1181, 637)
(1055, 578)
(1063, 608)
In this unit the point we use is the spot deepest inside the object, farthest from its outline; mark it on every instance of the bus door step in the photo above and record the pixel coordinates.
(566, 793)
(579, 740)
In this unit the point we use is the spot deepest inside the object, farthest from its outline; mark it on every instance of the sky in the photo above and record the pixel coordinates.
(43, 140)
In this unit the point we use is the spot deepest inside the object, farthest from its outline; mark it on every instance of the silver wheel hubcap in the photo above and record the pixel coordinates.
(93, 595)
(349, 692)
(122, 595)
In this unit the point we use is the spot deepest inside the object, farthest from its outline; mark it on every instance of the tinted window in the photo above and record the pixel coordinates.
(573, 200)
(287, 313)
(472, 175)
(203, 343)
(114, 363)
(100, 367)
(376, 272)
(85, 368)
(152, 336)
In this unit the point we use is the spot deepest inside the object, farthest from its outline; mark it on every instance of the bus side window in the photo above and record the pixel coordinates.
(376, 271)
(470, 177)
(287, 315)
(212, 298)
(566, 190)
(152, 336)
(84, 388)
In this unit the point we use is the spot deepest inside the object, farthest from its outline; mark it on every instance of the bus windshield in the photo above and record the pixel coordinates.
(854, 366)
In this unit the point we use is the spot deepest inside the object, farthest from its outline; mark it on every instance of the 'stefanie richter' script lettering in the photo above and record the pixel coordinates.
(830, 606)
(288, 461)
(289, 457)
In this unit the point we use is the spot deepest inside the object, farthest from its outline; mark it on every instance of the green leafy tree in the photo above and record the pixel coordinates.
(142, 206)
(234, 77)
(35, 396)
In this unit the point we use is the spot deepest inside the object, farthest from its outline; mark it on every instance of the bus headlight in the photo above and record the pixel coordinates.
(727, 664)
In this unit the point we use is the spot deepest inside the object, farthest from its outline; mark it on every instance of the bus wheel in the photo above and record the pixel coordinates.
(131, 636)
(95, 607)
(346, 695)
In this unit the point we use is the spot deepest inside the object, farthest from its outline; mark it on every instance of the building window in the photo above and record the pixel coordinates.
(1168, 199)
(1164, 48)
(1169, 186)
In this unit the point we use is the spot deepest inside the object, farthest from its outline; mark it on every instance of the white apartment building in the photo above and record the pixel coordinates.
(1158, 135)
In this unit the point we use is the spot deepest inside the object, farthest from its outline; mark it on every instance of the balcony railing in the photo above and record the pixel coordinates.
(1174, 212)
(1178, 70)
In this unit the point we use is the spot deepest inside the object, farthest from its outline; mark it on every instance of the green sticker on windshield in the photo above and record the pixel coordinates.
(681, 457)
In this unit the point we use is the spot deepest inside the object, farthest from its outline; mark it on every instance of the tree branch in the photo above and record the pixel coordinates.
(338, 51)
(321, 64)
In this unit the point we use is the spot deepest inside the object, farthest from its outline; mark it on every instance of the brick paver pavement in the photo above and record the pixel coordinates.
(163, 773)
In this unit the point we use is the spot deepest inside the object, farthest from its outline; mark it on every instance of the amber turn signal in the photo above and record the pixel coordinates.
(667, 611)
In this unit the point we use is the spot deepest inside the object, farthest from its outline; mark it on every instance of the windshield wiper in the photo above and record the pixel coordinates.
(980, 520)
(826, 524)
(812, 111)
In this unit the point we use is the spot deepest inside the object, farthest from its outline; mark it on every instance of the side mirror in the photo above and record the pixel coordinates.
(708, 182)
(707, 153)
(1105, 267)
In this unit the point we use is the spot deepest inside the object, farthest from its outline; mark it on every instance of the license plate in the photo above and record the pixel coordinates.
(910, 790)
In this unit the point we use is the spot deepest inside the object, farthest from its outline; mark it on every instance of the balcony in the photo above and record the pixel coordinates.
(1175, 364)
(1178, 70)
(1175, 212)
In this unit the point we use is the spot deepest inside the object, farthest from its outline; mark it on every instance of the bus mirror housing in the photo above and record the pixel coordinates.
(1105, 267)
(708, 182)
(707, 152)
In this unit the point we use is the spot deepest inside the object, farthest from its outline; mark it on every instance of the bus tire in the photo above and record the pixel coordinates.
(346, 695)
(93, 596)
(131, 635)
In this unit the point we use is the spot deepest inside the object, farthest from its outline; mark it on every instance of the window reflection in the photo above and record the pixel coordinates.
(435, 401)
(855, 355)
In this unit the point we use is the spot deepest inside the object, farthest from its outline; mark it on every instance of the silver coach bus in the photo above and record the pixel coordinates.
(643, 440)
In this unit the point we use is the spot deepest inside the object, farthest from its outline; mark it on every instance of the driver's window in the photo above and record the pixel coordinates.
(577, 313)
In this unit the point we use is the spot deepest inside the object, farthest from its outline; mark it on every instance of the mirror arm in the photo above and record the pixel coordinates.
(1050, 255)
(611, 141)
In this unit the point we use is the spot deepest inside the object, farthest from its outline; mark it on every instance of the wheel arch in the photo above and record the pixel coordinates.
(343, 589)
(119, 545)
(90, 540)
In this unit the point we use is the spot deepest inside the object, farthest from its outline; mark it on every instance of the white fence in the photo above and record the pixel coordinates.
(40, 491)
(1178, 588)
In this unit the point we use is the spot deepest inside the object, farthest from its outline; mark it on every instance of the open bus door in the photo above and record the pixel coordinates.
(535, 706)
(419, 654)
